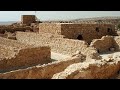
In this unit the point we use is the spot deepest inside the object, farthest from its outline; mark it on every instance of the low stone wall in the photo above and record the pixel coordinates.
(58, 45)
(15, 55)
(104, 44)
(41, 72)
(91, 70)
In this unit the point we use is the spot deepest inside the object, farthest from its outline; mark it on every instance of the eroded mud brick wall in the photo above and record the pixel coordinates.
(28, 19)
(87, 32)
(15, 55)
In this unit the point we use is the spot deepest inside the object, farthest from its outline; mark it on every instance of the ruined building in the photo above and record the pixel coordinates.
(55, 52)
(28, 19)
(86, 32)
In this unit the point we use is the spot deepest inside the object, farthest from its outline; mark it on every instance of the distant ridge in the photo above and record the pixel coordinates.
(92, 18)
(72, 20)
(98, 18)
(7, 22)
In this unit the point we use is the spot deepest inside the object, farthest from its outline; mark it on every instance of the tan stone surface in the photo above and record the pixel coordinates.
(57, 44)
(41, 71)
(50, 28)
(117, 42)
(28, 19)
(72, 30)
(104, 44)
(14, 55)
(95, 69)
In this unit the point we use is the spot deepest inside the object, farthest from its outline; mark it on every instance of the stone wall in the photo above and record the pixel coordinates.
(88, 32)
(14, 55)
(100, 69)
(104, 44)
(53, 28)
(117, 42)
(41, 72)
(58, 45)
(28, 19)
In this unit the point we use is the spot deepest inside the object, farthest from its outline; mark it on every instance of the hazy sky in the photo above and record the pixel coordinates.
(55, 15)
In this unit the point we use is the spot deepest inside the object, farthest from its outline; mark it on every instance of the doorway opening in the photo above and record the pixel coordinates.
(80, 37)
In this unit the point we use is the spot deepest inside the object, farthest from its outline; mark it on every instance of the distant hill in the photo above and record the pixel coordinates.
(7, 22)
(98, 18)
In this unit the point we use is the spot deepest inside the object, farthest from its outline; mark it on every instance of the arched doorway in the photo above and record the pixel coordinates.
(80, 37)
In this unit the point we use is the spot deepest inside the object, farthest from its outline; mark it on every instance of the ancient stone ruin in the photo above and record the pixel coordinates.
(59, 50)
(83, 31)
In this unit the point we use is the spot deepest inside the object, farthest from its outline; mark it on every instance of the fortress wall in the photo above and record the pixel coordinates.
(53, 28)
(72, 30)
(58, 45)
(14, 55)
(42, 71)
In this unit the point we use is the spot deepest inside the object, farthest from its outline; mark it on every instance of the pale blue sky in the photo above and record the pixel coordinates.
(55, 15)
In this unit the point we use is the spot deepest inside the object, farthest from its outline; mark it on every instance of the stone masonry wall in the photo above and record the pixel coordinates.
(58, 45)
(117, 42)
(50, 28)
(5, 52)
(42, 71)
(72, 31)
(28, 19)
(104, 44)
(14, 55)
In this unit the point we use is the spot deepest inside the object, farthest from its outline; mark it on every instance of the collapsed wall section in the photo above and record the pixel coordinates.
(58, 45)
(117, 42)
(41, 71)
(15, 55)
(100, 69)
(104, 44)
